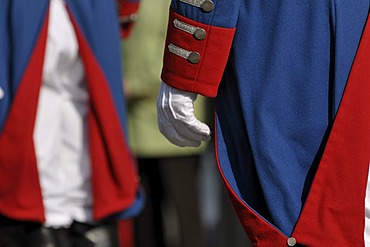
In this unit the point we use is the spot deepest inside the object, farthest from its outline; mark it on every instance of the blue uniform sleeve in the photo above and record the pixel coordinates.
(199, 38)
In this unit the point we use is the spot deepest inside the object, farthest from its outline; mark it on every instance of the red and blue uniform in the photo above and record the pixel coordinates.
(23, 28)
(292, 89)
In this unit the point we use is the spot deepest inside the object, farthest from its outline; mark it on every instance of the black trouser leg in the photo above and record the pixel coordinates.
(105, 235)
(48, 237)
(78, 235)
(11, 237)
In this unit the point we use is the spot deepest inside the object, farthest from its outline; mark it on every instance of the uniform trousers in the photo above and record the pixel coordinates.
(29, 234)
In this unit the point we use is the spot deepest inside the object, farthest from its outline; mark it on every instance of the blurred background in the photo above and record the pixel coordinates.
(186, 202)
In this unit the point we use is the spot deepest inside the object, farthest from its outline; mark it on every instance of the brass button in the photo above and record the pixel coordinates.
(291, 241)
(200, 34)
(207, 6)
(194, 57)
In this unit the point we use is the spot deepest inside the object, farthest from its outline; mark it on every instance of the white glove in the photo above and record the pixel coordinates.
(176, 119)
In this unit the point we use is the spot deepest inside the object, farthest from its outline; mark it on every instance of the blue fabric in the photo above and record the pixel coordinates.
(4, 61)
(20, 24)
(282, 86)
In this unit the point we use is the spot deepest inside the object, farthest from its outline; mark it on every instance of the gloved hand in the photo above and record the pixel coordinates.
(176, 119)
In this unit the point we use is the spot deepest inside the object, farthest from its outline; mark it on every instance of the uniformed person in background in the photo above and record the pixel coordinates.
(66, 172)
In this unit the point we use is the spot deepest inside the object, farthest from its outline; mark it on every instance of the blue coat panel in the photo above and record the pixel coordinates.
(278, 71)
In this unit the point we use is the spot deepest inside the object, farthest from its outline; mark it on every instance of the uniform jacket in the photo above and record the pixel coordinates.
(291, 82)
(23, 28)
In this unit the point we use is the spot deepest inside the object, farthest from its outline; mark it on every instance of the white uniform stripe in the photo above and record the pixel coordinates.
(60, 133)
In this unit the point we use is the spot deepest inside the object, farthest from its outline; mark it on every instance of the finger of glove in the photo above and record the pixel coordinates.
(181, 114)
(168, 131)
(174, 137)
(176, 108)
(194, 130)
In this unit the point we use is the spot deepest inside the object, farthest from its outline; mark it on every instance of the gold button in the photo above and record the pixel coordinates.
(208, 5)
(194, 57)
(200, 34)
(292, 241)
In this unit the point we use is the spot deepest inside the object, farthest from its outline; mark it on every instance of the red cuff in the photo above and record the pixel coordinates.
(127, 15)
(205, 76)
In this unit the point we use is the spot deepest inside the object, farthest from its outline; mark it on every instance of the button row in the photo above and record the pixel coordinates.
(198, 33)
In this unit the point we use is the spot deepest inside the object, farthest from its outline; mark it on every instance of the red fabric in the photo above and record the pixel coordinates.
(127, 8)
(334, 211)
(115, 180)
(20, 192)
(126, 233)
(259, 231)
(204, 77)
